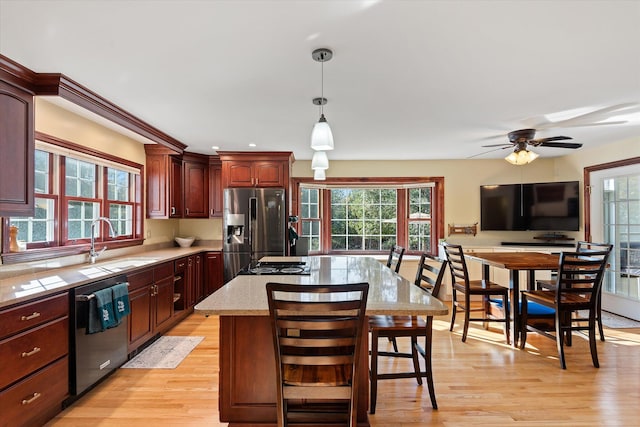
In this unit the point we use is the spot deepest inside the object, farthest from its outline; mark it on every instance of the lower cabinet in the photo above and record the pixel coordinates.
(151, 301)
(213, 273)
(34, 355)
(188, 282)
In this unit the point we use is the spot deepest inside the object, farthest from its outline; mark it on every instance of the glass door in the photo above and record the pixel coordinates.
(615, 218)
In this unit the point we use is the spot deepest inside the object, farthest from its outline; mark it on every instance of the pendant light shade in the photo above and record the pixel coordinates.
(319, 175)
(321, 135)
(319, 160)
(521, 157)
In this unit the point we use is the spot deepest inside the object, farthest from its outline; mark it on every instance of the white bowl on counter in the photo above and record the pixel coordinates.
(185, 242)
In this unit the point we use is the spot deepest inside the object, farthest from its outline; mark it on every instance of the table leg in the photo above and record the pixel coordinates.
(514, 285)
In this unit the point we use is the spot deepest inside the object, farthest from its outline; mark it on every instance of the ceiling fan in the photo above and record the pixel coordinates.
(523, 138)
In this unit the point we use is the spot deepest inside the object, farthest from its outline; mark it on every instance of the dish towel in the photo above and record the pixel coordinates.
(94, 325)
(104, 305)
(121, 301)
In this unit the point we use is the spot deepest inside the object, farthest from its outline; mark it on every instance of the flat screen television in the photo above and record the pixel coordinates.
(543, 206)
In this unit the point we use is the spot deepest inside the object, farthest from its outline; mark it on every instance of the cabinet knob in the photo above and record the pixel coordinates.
(211, 212)
(173, 210)
(187, 211)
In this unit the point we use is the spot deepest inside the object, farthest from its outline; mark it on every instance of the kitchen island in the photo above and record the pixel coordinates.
(247, 363)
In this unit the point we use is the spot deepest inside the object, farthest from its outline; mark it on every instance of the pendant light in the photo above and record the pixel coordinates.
(321, 136)
(319, 175)
(320, 160)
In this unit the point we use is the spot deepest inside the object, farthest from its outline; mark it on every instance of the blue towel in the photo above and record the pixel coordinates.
(121, 301)
(104, 305)
(94, 325)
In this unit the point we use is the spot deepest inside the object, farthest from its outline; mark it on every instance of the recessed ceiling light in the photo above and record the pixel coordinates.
(215, 147)
(252, 145)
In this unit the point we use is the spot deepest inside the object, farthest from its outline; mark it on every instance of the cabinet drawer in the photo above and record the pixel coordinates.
(38, 398)
(140, 279)
(180, 265)
(163, 271)
(31, 350)
(25, 316)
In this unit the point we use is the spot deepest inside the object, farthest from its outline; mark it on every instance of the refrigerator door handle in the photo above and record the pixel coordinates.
(253, 209)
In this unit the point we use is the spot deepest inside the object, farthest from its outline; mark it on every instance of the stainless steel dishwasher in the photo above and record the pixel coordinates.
(96, 355)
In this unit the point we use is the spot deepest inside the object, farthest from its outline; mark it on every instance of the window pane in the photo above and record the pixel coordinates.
(39, 228)
(420, 236)
(41, 172)
(117, 185)
(420, 203)
(81, 214)
(80, 178)
(121, 217)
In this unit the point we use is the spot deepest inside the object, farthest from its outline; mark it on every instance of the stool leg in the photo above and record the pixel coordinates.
(427, 360)
(416, 361)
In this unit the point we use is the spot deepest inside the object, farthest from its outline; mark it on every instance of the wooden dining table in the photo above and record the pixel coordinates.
(515, 262)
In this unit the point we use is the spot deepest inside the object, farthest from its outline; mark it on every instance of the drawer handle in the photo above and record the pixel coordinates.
(31, 316)
(32, 352)
(33, 397)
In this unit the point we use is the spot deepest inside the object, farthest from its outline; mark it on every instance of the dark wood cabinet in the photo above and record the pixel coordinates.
(17, 159)
(196, 186)
(34, 350)
(250, 169)
(216, 190)
(188, 282)
(177, 185)
(213, 273)
(151, 302)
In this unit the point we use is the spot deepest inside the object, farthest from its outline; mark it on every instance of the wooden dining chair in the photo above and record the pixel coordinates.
(395, 258)
(463, 289)
(429, 277)
(584, 247)
(578, 285)
(317, 334)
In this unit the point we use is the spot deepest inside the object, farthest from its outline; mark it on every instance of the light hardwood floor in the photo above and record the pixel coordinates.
(482, 382)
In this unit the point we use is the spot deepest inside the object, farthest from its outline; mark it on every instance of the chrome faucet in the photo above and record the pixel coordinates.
(93, 255)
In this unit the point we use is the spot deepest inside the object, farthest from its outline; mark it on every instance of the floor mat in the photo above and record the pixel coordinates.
(166, 353)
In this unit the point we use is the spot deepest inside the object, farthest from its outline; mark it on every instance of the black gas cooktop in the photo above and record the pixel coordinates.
(280, 267)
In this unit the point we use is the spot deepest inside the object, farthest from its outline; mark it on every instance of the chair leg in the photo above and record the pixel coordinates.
(560, 340)
(393, 341)
(416, 361)
(454, 308)
(427, 360)
(592, 341)
(374, 372)
(599, 319)
(466, 323)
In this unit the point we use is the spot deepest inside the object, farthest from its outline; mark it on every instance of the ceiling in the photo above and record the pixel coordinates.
(408, 79)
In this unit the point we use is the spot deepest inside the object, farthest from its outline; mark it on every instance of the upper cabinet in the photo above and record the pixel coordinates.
(17, 142)
(215, 187)
(196, 185)
(256, 169)
(177, 186)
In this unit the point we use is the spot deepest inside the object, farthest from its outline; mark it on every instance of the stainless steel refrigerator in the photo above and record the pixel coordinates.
(254, 226)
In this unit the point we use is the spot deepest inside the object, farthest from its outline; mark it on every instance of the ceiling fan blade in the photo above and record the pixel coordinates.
(545, 140)
(499, 145)
(619, 122)
(560, 144)
(593, 116)
(486, 152)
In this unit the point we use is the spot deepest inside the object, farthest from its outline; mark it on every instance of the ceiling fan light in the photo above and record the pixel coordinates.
(321, 136)
(320, 160)
(319, 175)
(521, 157)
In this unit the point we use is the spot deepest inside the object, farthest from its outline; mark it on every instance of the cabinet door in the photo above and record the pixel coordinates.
(175, 190)
(239, 174)
(140, 318)
(157, 188)
(213, 272)
(215, 190)
(191, 281)
(196, 190)
(198, 283)
(163, 301)
(268, 174)
(18, 152)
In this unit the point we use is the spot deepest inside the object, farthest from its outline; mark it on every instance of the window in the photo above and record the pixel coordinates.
(73, 187)
(357, 216)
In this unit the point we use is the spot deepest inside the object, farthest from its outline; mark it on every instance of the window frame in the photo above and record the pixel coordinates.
(402, 184)
(60, 246)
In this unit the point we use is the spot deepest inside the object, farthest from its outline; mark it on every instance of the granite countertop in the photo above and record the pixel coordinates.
(39, 283)
(389, 293)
